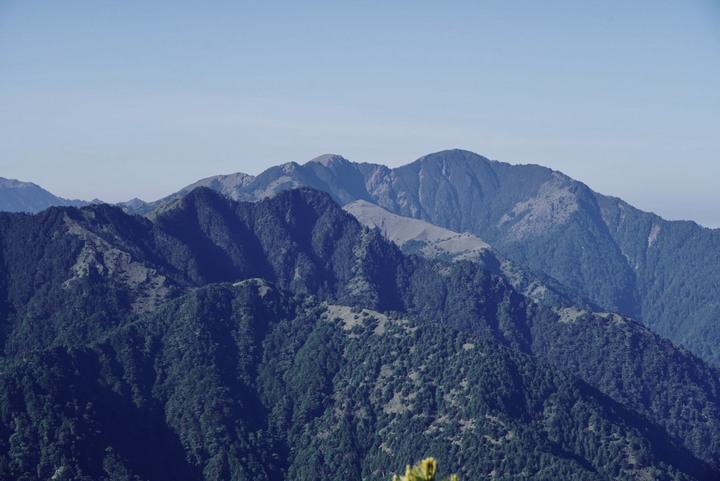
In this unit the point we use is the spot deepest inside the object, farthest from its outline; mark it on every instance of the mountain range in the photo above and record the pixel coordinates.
(251, 328)
(664, 273)
(282, 339)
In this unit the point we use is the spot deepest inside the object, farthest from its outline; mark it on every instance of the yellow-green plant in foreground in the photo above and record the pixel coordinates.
(423, 471)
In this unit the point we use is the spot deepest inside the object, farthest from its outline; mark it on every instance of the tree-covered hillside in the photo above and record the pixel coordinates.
(245, 382)
(118, 328)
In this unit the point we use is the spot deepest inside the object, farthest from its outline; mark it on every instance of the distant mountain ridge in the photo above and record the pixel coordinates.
(18, 196)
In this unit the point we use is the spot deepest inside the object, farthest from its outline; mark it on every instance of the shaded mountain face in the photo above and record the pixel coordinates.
(17, 196)
(103, 309)
(664, 273)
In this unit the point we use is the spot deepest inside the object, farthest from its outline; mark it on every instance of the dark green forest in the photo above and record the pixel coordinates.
(219, 340)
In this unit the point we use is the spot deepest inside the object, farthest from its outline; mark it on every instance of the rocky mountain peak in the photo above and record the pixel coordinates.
(452, 156)
(329, 160)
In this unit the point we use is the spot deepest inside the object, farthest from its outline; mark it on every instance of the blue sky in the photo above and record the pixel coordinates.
(122, 99)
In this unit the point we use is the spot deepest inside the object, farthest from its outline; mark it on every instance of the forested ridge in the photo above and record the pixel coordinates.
(664, 273)
(282, 340)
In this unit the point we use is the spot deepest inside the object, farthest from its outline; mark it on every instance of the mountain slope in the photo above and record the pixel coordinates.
(17, 196)
(572, 341)
(428, 240)
(245, 382)
(665, 273)
(677, 269)
(432, 239)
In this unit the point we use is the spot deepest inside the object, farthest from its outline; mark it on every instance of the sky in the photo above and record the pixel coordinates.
(122, 99)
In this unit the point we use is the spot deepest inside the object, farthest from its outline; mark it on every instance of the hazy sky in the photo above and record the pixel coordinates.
(122, 99)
